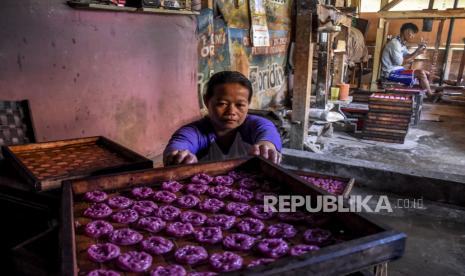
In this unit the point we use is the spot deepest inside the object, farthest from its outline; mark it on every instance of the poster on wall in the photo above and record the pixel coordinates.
(259, 27)
(226, 44)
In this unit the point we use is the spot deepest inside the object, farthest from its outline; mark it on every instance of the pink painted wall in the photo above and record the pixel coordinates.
(130, 77)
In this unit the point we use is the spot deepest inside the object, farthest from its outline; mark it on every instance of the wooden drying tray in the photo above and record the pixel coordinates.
(349, 182)
(45, 165)
(372, 244)
(101, 7)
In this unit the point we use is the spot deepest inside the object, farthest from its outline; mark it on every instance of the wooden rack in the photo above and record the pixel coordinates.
(91, 6)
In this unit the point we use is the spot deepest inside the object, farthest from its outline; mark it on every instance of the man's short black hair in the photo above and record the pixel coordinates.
(227, 77)
(409, 26)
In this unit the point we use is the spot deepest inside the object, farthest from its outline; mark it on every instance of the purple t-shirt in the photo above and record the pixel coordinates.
(198, 136)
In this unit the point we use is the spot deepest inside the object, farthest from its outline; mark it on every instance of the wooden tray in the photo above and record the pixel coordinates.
(46, 165)
(349, 182)
(370, 243)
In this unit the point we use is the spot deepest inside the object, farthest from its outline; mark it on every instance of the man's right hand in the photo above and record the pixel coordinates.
(177, 157)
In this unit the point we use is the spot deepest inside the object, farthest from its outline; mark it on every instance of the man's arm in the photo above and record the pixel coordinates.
(409, 58)
(265, 138)
(182, 147)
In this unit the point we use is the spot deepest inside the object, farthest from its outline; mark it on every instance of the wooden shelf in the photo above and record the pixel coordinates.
(167, 11)
(90, 6)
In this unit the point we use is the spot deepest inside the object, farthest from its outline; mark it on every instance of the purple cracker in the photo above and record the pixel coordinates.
(164, 196)
(194, 218)
(237, 208)
(238, 175)
(191, 254)
(145, 207)
(211, 205)
(95, 196)
(242, 195)
(134, 261)
(261, 261)
(269, 187)
(260, 196)
(170, 270)
(168, 213)
(250, 226)
(331, 185)
(98, 228)
(219, 191)
(120, 202)
(273, 248)
(223, 221)
(317, 236)
(210, 235)
(196, 189)
(172, 186)
(179, 229)
(258, 211)
(202, 178)
(125, 236)
(249, 183)
(281, 230)
(157, 245)
(226, 261)
(125, 216)
(292, 217)
(188, 201)
(317, 219)
(223, 180)
(142, 192)
(239, 241)
(151, 224)
(302, 249)
(103, 272)
(98, 210)
(103, 252)
(203, 273)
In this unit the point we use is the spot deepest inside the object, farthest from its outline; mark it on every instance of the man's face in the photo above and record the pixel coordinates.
(228, 106)
(409, 35)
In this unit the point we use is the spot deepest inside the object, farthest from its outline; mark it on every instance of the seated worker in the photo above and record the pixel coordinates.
(228, 131)
(395, 54)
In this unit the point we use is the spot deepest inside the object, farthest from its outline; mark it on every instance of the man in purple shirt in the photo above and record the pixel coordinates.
(228, 131)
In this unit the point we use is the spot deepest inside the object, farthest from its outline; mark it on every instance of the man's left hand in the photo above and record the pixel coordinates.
(266, 150)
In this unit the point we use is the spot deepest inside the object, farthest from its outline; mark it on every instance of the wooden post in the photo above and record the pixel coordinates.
(378, 47)
(448, 61)
(303, 74)
(437, 44)
(377, 55)
(448, 42)
(462, 65)
(322, 79)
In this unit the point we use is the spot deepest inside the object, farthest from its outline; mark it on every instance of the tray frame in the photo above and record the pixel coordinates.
(137, 161)
(382, 245)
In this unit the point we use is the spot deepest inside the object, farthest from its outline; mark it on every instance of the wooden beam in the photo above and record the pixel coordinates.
(439, 14)
(302, 75)
(390, 5)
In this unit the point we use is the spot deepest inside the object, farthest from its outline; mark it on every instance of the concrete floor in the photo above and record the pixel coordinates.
(436, 144)
(435, 237)
(436, 232)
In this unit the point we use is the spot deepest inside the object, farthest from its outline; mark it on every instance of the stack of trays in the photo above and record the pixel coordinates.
(388, 117)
